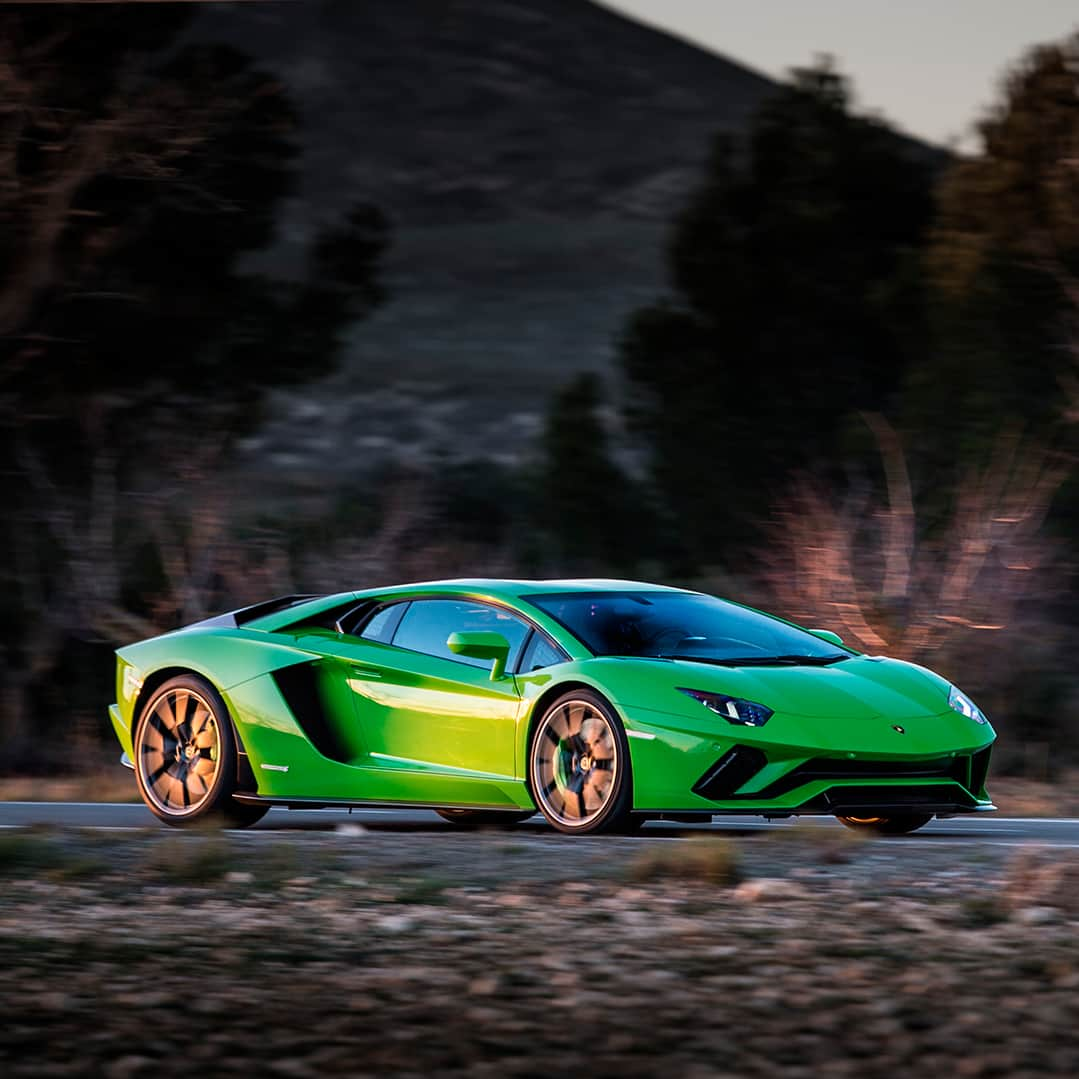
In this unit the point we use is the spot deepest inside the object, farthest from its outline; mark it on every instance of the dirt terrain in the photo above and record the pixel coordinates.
(803, 952)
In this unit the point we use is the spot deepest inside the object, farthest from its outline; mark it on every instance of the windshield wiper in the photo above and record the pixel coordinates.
(815, 661)
(761, 661)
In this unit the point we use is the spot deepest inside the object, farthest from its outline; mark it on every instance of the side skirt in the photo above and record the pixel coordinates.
(782, 814)
(362, 803)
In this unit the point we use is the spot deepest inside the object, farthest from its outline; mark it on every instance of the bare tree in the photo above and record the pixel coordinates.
(144, 130)
(862, 565)
(410, 542)
(135, 175)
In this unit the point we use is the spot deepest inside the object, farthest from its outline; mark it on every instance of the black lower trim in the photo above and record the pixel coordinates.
(364, 803)
(935, 798)
(245, 776)
(674, 816)
(959, 769)
(812, 809)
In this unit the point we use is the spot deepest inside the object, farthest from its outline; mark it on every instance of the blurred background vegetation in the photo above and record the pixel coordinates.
(321, 297)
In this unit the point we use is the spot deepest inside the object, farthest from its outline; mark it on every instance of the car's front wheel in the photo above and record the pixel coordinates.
(579, 768)
(185, 756)
(900, 824)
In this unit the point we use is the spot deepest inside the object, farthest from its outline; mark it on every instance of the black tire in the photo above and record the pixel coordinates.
(483, 818)
(577, 741)
(185, 757)
(898, 824)
(242, 814)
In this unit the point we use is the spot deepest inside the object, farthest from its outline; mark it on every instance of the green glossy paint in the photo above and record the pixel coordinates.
(417, 729)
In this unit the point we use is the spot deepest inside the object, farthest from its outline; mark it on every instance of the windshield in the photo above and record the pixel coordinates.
(682, 625)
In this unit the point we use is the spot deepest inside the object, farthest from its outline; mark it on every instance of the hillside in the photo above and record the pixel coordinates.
(529, 153)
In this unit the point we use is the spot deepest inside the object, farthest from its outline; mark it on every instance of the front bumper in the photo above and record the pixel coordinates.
(855, 770)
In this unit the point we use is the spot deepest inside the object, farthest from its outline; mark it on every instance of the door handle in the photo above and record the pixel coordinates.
(366, 672)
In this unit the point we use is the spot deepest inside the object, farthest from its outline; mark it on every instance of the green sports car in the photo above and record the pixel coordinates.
(600, 703)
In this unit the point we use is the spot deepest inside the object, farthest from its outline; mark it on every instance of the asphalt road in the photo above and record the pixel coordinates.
(982, 829)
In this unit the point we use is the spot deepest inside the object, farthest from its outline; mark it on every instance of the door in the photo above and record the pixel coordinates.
(433, 724)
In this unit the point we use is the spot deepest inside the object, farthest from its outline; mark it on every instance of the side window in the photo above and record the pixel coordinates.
(382, 623)
(541, 652)
(428, 622)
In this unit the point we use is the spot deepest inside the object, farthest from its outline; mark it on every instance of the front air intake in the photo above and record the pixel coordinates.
(979, 769)
(733, 770)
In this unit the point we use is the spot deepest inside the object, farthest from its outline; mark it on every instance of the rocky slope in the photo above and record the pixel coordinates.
(455, 111)
(530, 154)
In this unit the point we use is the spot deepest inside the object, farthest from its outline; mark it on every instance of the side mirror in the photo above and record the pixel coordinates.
(828, 635)
(481, 644)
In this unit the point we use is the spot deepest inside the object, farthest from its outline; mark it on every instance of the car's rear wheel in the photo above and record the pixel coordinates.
(579, 768)
(482, 818)
(899, 824)
(185, 757)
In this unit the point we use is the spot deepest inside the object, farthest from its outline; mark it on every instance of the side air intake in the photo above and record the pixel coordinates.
(299, 686)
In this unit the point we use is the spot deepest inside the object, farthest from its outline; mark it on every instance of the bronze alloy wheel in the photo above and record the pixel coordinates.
(179, 753)
(185, 756)
(579, 767)
(898, 824)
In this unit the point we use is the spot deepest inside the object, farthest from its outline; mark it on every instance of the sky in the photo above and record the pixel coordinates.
(931, 67)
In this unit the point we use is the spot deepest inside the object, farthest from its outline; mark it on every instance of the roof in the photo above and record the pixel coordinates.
(284, 611)
(511, 588)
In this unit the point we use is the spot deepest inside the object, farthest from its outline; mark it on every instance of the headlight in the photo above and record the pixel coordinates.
(732, 709)
(962, 704)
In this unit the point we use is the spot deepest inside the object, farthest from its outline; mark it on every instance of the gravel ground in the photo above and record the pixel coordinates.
(801, 953)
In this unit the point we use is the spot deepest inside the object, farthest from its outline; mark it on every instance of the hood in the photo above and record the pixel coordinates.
(861, 687)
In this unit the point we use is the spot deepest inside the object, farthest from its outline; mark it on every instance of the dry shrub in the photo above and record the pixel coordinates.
(39, 851)
(198, 530)
(1043, 877)
(201, 857)
(707, 859)
(831, 846)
